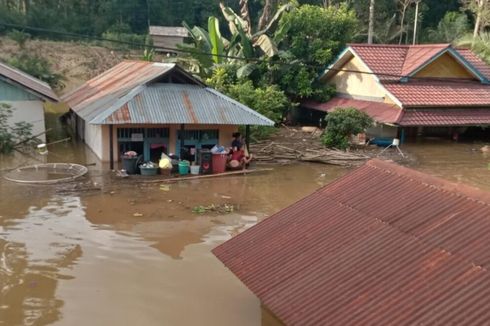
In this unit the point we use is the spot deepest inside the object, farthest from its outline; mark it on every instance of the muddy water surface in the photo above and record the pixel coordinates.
(127, 253)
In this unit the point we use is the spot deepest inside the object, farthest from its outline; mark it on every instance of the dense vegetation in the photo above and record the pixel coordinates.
(264, 53)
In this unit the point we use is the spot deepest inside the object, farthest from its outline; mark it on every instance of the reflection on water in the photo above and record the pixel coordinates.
(135, 253)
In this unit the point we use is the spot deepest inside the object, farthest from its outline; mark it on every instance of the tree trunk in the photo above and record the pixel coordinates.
(266, 14)
(371, 22)
(479, 11)
(404, 4)
(416, 22)
(245, 14)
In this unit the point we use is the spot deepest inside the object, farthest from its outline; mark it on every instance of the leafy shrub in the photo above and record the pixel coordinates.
(37, 67)
(19, 37)
(342, 123)
(10, 136)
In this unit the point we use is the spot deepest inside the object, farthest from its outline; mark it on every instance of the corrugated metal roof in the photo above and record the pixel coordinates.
(180, 103)
(15, 76)
(383, 245)
(445, 117)
(379, 111)
(169, 31)
(129, 93)
(102, 91)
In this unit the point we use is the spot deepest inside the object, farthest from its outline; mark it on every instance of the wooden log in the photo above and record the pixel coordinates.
(205, 176)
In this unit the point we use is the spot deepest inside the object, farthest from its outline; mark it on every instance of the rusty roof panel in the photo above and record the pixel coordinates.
(21, 78)
(113, 84)
(383, 245)
(181, 103)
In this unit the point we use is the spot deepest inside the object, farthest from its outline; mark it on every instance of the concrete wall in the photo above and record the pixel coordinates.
(357, 84)
(381, 130)
(31, 112)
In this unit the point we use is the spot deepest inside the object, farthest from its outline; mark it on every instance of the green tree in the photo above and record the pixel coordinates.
(342, 123)
(11, 135)
(453, 26)
(310, 37)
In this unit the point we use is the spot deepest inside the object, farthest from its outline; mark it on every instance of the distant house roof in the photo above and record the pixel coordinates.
(392, 65)
(379, 111)
(169, 31)
(133, 92)
(383, 245)
(30, 83)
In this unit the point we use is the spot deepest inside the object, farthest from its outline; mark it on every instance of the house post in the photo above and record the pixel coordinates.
(181, 140)
(111, 146)
(247, 137)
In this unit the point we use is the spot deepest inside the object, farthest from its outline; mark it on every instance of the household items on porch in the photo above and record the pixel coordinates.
(130, 160)
(148, 168)
(184, 167)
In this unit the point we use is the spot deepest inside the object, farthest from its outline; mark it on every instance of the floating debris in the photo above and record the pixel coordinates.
(219, 208)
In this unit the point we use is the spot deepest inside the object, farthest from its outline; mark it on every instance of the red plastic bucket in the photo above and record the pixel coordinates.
(219, 162)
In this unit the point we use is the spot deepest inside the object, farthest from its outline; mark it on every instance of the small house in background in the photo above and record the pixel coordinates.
(382, 245)
(166, 38)
(410, 90)
(26, 96)
(150, 108)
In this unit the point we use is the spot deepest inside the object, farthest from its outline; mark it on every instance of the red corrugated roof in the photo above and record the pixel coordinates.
(381, 112)
(431, 93)
(445, 117)
(383, 245)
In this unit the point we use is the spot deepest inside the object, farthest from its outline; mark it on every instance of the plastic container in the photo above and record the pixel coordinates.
(184, 167)
(149, 171)
(219, 162)
(195, 169)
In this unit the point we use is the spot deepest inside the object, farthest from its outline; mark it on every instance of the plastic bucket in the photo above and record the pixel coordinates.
(129, 164)
(195, 169)
(219, 162)
(184, 167)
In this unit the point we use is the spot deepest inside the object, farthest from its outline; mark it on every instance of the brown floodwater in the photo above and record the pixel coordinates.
(106, 251)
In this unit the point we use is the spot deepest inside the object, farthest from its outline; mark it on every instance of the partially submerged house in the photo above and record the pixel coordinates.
(152, 108)
(26, 96)
(410, 89)
(382, 245)
(167, 38)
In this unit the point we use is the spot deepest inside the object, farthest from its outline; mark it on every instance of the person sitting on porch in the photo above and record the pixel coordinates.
(238, 160)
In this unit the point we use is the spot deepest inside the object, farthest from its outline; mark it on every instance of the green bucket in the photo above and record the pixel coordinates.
(184, 167)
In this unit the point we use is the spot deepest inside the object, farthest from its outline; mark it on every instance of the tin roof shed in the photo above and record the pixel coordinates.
(383, 245)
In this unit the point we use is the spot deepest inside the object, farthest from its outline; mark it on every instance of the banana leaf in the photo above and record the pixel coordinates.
(217, 47)
(266, 45)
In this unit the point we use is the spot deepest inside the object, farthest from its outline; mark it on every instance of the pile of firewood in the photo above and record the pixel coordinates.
(298, 145)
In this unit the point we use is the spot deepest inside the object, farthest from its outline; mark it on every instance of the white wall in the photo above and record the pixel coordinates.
(31, 112)
(94, 139)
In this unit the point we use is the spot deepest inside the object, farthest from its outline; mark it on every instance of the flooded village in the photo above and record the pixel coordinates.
(174, 184)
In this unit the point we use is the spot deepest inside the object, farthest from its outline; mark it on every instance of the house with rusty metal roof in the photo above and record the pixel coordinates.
(411, 89)
(151, 108)
(26, 96)
(382, 245)
(167, 38)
